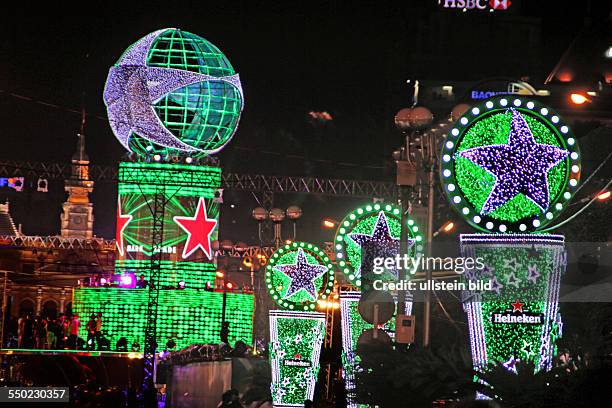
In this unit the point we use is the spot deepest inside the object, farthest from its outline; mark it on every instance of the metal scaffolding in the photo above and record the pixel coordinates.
(230, 181)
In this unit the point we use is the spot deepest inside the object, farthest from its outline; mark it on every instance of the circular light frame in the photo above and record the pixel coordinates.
(322, 259)
(545, 115)
(360, 214)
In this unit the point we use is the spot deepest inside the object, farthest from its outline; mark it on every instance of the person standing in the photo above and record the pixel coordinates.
(98, 333)
(20, 330)
(40, 330)
(51, 329)
(91, 331)
(74, 331)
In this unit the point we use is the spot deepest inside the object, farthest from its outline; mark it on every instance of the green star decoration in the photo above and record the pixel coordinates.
(468, 185)
(363, 220)
(289, 286)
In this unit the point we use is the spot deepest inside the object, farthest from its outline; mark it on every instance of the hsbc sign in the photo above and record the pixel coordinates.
(464, 5)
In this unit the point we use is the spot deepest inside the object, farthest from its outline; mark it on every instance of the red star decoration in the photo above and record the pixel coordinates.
(517, 306)
(122, 222)
(298, 356)
(199, 228)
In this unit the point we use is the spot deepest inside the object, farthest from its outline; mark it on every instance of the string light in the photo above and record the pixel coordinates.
(188, 316)
(510, 165)
(519, 319)
(378, 227)
(158, 80)
(298, 275)
(295, 346)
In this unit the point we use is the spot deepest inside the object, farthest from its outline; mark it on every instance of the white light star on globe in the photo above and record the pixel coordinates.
(133, 88)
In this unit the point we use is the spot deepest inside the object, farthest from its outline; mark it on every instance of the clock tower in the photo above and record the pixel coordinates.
(77, 212)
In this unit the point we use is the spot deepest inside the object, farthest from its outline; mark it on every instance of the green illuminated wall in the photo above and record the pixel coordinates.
(194, 274)
(187, 316)
(183, 185)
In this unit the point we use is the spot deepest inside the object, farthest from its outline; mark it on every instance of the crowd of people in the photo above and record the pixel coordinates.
(62, 333)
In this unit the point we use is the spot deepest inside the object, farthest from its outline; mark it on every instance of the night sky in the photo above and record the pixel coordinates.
(348, 59)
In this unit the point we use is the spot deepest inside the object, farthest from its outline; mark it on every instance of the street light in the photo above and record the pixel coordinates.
(578, 98)
(277, 216)
(447, 227)
(604, 196)
(330, 223)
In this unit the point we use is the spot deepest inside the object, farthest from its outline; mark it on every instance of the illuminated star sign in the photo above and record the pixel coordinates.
(379, 244)
(517, 306)
(520, 166)
(302, 275)
(200, 228)
(132, 88)
(122, 222)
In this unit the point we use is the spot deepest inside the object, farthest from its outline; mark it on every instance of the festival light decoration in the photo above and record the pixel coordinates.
(187, 316)
(379, 227)
(199, 229)
(519, 319)
(190, 224)
(353, 326)
(298, 275)
(173, 93)
(295, 346)
(510, 164)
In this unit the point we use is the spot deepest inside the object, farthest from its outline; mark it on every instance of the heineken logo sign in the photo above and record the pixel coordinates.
(517, 316)
(295, 362)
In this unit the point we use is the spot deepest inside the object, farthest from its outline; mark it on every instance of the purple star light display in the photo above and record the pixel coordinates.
(510, 165)
(302, 275)
(520, 166)
(379, 244)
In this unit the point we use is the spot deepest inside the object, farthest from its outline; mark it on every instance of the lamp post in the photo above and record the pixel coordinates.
(277, 216)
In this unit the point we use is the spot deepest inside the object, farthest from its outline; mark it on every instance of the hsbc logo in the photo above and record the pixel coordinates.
(464, 5)
(500, 4)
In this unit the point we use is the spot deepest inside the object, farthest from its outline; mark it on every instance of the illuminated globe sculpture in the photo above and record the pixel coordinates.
(510, 165)
(172, 93)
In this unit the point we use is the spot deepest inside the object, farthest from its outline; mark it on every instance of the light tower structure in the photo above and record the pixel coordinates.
(173, 100)
(298, 275)
(509, 166)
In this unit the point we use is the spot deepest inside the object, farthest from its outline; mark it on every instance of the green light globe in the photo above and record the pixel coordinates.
(190, 86)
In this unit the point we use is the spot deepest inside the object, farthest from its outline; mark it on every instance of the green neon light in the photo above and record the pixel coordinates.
(278, 283)
(182, 185)
(468, 185)
(530, 276)
(178, 179)
(187, 316)
(195, 274)
(298, 339)
(204, 114)
(476, 183)
(362, 221)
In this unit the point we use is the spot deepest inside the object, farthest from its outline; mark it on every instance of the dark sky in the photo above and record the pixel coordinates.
(339, 56)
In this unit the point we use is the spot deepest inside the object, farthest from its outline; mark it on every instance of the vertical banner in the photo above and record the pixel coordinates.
(295, 346)
(518, 318)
